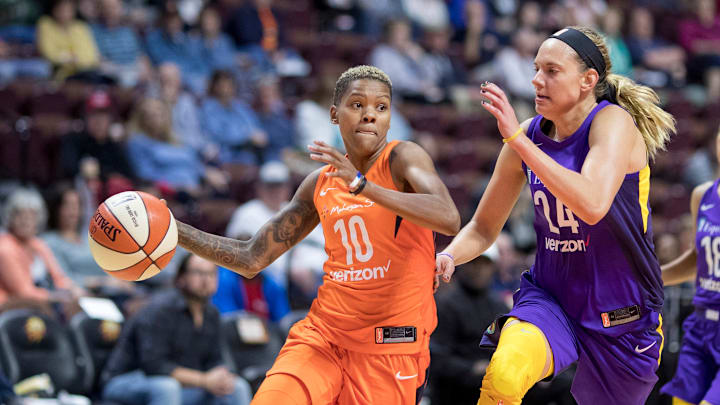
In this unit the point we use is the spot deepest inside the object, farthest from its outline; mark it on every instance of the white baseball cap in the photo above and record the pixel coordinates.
(274, 172)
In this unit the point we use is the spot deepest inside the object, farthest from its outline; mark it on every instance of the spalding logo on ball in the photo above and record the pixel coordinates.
(133, 235)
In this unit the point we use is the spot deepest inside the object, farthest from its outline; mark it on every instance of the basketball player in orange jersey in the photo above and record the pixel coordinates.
(365, 339)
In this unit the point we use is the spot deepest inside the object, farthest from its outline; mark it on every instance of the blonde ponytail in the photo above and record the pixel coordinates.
(655, 124)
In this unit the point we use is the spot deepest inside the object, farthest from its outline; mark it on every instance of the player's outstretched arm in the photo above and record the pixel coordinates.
(498, 200)
(684, 267)
(248, 258)
(429, 206)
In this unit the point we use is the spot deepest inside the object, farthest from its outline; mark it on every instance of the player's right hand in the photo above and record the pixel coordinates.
(444, 267)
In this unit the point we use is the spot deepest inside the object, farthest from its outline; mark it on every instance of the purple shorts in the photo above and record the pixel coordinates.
(697, 378)
(610, 370)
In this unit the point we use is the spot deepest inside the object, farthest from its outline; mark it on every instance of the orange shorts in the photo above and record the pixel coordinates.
(333, 375)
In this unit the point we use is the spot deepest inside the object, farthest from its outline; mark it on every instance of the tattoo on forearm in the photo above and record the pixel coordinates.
(286, 229)
(223, 251)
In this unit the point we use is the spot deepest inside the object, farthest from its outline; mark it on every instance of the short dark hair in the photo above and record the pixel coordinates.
(54, 199)
(216, 77)
(182, 268)
(359, 73)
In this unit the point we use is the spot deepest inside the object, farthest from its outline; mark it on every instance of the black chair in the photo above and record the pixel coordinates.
(290, 319)
(95, 339)
(33, 343)
(250, 345)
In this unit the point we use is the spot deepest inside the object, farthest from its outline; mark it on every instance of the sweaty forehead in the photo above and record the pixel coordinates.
(555, 51)
(367, 88)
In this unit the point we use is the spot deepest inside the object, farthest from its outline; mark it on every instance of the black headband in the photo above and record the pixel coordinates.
(584, 47)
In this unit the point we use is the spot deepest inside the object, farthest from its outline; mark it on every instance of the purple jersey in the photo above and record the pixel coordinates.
(606, 276)
(707, 244)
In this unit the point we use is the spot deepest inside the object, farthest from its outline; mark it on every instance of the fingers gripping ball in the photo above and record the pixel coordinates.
(133, 235)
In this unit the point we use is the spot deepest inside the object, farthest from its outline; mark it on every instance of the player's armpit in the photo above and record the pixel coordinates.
(278, 235)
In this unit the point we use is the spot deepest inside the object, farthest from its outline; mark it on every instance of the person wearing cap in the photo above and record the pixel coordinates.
(594, 295)
(303, 265)
(96, 151)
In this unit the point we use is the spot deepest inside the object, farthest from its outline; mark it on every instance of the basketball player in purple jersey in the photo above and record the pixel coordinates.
(697, 380)
(594, 294)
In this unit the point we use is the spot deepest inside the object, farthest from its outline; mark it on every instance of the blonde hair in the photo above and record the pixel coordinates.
(655, 124)
(137, 122)
(359, 73)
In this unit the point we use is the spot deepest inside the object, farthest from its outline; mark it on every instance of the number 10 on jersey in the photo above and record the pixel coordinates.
(354, 223)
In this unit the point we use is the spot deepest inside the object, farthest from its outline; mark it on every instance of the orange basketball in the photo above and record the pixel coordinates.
(133, 235)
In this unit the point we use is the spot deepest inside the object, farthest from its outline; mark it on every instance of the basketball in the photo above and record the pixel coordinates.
(133, 235)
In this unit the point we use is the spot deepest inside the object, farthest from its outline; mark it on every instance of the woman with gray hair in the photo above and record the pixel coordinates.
(29, 268)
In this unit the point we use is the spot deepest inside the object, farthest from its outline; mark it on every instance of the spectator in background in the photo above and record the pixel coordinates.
(156, 156)
(513, 65)
(402, 59)
(65, 41)
(700, 36)
(179, 362)
(257, 31)
(274, 119)
(427, 14)
(255, 24)
(29, 268)
(458, 365)
(530, 16)
(231, 124)
(169, 43)
(98, 153)
(612, 23)
(480, 41)
(585, 12)
(121, 53)
(184, 110)
(657, 62)
(67, 238)
(374, 14)
(259, 295)
(214, 45)
(438, 64)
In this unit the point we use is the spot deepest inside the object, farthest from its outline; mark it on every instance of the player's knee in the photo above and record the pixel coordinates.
(510, 374)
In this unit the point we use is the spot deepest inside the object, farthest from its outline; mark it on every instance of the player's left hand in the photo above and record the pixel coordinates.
(325, 153)
(497, 104)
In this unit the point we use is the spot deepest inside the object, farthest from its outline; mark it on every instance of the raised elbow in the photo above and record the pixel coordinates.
(451, 225)
(594, 215)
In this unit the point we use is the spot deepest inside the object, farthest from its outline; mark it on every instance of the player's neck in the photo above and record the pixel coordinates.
(364, 163)
(568, 123)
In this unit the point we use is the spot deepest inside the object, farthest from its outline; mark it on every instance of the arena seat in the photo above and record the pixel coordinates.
(251, 345)
(95, 339)
(33, 343)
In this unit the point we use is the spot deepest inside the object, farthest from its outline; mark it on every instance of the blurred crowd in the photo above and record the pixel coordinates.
(210, 104)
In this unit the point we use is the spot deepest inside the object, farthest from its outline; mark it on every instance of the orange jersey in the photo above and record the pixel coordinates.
(378, 281)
